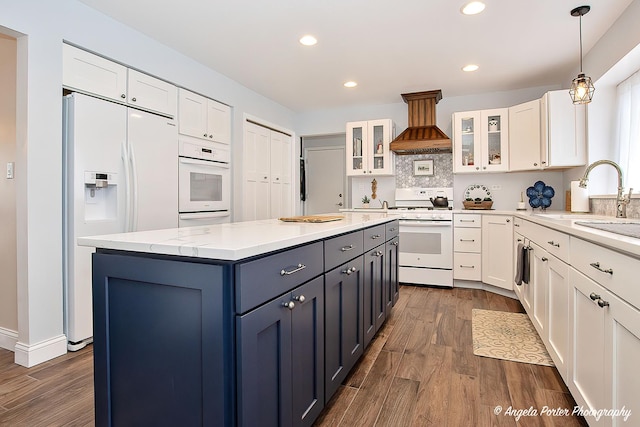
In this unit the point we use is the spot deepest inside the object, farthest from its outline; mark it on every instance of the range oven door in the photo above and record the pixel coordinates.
(426, 252)
(426, 244)
(203, 186)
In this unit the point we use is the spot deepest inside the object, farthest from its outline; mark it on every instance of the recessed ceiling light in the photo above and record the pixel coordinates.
(470, 67)
(473, 8)
(308, 40)
(350, 84)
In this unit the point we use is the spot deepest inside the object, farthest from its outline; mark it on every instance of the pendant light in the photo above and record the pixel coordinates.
(582, 89)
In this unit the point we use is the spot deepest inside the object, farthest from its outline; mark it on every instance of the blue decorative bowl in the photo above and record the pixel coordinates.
(540, 195)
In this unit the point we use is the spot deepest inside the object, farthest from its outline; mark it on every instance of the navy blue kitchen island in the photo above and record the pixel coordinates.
(243, 324)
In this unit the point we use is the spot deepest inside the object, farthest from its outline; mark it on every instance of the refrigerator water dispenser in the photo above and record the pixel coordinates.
(100, 196)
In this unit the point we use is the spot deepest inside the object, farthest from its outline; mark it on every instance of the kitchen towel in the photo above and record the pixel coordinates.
(519, 259)
(526, 266)
(579, 198)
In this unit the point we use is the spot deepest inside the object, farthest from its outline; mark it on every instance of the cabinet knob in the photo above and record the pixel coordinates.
(210, 136)
(265, 177)
(594, 296)
(290, 305)
(602, 303)
(484, 167)
(123, 96)
(508, 220)
(545, 259)
(133, 99)
(299, 298)
(205, 135)
(277, 179)
(535, 164)
(543, 162)
(395, 243)
(477, 168)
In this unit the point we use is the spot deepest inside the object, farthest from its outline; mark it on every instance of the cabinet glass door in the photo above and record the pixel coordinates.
(357, 156)
(494, 137)
(378, 147)
(468, 140)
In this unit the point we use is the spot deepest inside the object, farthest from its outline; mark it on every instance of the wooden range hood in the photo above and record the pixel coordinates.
(422, 135)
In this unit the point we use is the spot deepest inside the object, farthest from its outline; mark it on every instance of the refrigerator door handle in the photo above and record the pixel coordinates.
(134, 187)
(127, 186)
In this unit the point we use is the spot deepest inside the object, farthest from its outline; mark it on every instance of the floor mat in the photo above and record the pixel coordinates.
(508, 336)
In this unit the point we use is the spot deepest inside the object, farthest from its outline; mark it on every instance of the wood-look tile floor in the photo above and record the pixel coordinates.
(420, 370)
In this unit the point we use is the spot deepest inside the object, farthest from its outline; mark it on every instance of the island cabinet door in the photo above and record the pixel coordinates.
(280, 349)
(307, 351)
(343, 322)
(161, 356)
(392, 286)
(373, 309)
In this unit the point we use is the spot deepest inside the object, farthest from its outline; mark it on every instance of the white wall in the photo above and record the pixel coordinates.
(8, 280)
(40, 27)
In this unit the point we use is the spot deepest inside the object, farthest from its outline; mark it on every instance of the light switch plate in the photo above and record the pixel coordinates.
(10, 167)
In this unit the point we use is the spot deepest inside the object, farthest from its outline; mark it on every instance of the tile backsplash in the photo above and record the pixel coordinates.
(607, 206)
(442, 168)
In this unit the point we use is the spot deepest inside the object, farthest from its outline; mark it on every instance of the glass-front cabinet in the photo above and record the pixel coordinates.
(481, 141)
(367, 148)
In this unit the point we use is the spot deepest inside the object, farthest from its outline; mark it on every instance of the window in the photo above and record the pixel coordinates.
(628, 129)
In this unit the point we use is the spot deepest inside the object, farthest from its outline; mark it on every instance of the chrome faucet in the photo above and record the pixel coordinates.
(621, 200)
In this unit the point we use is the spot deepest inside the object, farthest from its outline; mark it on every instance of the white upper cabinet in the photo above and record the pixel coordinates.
(150, 93)
(92, 74)
(86, 72)
(203, 118)
(524, 136)
(564, 131)
(481, 141)
(367, 148)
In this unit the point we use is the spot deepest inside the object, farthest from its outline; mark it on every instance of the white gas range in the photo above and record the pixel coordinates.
(426, 236)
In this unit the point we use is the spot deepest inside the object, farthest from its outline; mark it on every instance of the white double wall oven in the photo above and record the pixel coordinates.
(204, 182)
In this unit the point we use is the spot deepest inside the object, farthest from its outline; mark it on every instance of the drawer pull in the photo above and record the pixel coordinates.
(377, 253)
(516, 225)
(290, 305)
(299, 298)
(467, 266)
(349, 271)
(467, 220)
(544, 259)
(392, 229)
(519, 240)
(395, 243)
(596, 265)
(375, 236)
(467, 240)
(552, 243)
(602, 303)
(284, 272)
(346, 248)
(594, 296)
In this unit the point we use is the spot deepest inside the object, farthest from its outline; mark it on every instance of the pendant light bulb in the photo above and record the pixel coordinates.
(582, 88)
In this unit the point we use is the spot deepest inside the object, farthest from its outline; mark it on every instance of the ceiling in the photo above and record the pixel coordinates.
(388, 47)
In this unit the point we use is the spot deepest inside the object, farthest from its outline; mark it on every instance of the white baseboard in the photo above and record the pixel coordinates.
(31, 355)
(8, 339)
(470, 284)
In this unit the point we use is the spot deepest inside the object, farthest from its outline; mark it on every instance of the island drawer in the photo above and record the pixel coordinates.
(374, 236)
(341, 249)
(263, 279)
(391, 229)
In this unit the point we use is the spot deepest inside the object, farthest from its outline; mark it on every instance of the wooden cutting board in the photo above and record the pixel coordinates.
(312, 218)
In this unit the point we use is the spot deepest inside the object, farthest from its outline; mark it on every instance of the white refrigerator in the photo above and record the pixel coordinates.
(120, 174)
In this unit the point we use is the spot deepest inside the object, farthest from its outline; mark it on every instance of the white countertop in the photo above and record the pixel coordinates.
(233, 241)
(566, 223)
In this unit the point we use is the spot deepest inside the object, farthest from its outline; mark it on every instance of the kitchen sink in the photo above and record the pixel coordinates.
(583, 216)
(620, 226)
